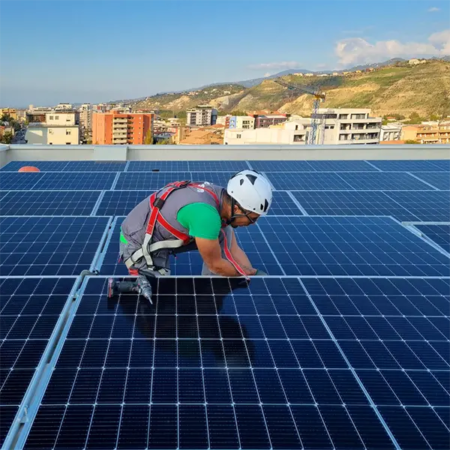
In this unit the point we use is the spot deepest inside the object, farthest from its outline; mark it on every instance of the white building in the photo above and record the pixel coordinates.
(242, 122)
(86, 121)
(45, 134)
(63, 107)
(335, 126)
(203, 115)
(391, 132)
(61, 118)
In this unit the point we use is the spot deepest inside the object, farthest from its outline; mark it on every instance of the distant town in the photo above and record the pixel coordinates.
(128, 123)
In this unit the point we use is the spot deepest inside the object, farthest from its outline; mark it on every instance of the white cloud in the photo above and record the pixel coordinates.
(359, 51)
(434, 9)
(284, 65)
(267, 74)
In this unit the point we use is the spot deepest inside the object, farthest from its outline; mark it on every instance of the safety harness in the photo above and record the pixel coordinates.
(156, 203)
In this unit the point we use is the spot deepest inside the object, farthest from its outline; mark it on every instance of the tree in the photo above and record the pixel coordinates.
(414, 118)
(434, 117)
(237, 112)
(163, 142)
(6, 118)
(148, 137)
(6, 138)
(411, 141)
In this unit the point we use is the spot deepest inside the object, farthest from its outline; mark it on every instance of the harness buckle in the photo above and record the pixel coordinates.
(158, 203)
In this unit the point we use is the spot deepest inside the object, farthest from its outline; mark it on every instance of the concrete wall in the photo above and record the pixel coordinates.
(224, 152)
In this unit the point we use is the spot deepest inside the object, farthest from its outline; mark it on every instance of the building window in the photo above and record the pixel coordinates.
(67, 143)
(56, 117)
(68, 132)
(238, 136)
(51, 117)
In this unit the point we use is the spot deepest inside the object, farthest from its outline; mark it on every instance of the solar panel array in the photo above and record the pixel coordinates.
(345, 345)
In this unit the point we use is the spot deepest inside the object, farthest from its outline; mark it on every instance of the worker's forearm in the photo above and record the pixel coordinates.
(225, 269)
(242, 259)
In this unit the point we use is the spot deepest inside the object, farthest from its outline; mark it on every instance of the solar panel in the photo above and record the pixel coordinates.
(440, 234)
(342, 166)
(350, 246)
(395, 334)
(29, 310)
(409, 166)
(19, 181)
(379, 181)
(120, 203)
(217, 166)
(309, 181)
(43, 166)
(160, 166)
(89, 181)
(436, 179)
(45, 203)
(191, 263)
(428, 206)
(233, 366)
(49, 245)
(148, 181)
(95, 166)
(284, 205)
(352, 203)
(219, 178)
(282, 166)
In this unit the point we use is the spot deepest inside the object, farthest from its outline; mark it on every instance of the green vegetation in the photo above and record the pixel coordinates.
(6, 138)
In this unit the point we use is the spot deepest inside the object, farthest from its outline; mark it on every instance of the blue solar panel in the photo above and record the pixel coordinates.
(29, 310)
(95, 166)
(49, 245)
(43, 166)
(352, 203)
(219, 178)
(19, 181)
(284, 205)
(159, 166)
(410, 166)
(191, 263)
(89, 181)
(217, 166)
(440, 234)
(428, 206)
(309, 181)
(45, 203)
(312, 166)
(437, 179)
(148, 181)
(120, 203)
(379, 181)
(233, 366)
(395, 334)
(366, 246)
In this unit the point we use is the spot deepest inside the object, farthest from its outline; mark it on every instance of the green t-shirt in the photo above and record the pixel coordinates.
(202, 220)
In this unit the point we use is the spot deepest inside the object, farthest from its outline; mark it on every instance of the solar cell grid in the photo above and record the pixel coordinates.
(148, 181)
(49, 245)
(45, 203)
(350, 246)
(162, 166)
(219, 178)
(219, 166)
(395, 334)
(410, 166)
(95, 166)
(352, 203)
(437, 179)
(171, 373)
(426, 205)
(281, 166)
(309, 181)
(43, 166)
(19, 181)
(342, 166)
(89, 181)
(440, 234)
(379, 181)
(29, 310)
(119, 203)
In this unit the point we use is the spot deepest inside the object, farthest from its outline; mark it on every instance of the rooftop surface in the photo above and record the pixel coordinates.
(344, 345)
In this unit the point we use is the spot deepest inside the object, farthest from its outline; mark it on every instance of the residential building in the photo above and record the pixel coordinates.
(21, 115)
(409, 132)
(265, 120)
(63, 107)
(45, 134)
(434, 134)
(335, 126)
(60, 118)
(242, 122)
(86, 122)
(203, 115)
(116, 128)
(12, 112)
(391, 132)
(224, 120)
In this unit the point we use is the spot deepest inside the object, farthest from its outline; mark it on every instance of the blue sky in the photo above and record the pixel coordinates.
(93, 51)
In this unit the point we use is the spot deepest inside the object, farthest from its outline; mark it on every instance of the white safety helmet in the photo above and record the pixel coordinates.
(251, 190)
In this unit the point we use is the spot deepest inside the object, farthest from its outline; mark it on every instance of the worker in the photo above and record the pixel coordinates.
(185, 216)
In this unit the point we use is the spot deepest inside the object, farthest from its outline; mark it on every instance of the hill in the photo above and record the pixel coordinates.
(395, 89)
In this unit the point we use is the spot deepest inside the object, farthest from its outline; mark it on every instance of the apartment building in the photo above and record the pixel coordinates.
(337, 126)
(45, 134)
(265, 120)
(12, 112)
(391, 132)
(434, 134)
(201, 116)
(86, 121)
(242, 122)
(121, 129)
